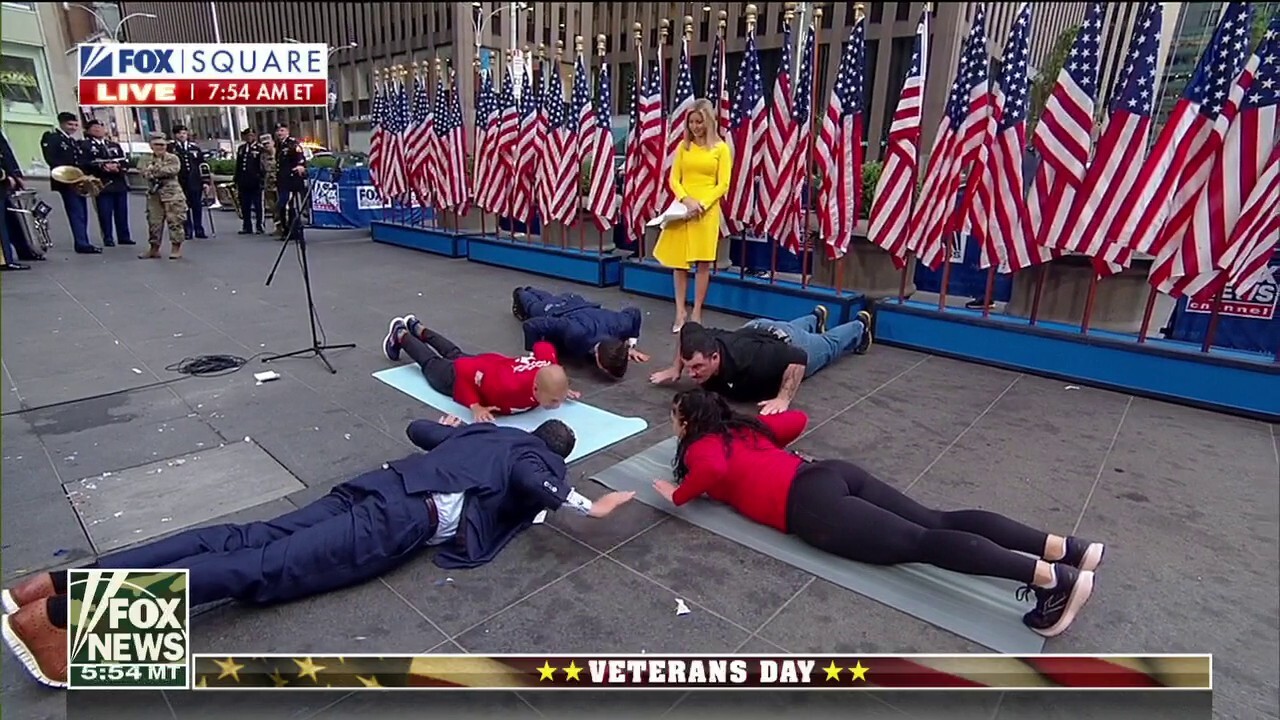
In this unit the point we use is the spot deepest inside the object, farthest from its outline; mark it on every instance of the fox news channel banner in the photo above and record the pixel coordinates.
(196, 75)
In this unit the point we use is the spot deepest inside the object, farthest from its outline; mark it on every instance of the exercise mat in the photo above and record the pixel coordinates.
(595, 429)
(981, 609)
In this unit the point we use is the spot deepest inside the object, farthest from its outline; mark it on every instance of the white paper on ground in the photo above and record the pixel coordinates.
(681, 608)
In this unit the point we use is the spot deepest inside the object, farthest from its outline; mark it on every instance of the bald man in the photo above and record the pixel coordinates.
(489, 384)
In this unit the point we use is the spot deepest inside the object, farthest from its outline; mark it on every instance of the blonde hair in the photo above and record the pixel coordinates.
(703, 107)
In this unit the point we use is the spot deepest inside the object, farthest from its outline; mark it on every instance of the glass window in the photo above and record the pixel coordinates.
(23, 81)
(904, 12)
(877, 12)
(28, 6)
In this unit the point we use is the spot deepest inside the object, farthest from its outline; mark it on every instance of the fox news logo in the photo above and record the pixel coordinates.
(240, 61)
(128, 629)
(1259, 304)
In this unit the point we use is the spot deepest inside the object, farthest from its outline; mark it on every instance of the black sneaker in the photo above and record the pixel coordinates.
(415, 327)
(864, 343)
(517, 311)
(1083, 554)
(820, 312)
(1057, 608)
(391, 344)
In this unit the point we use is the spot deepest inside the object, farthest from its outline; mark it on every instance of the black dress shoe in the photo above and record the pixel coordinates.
(128, 242)
(109, 243)
(90, 250)
(14, 266)
(245, 232)
(201, 236)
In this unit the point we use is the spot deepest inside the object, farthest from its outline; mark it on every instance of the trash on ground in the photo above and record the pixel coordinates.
(681, 608)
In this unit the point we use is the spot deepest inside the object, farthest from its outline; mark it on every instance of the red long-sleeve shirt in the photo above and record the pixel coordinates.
(747, 472)
(500, 381)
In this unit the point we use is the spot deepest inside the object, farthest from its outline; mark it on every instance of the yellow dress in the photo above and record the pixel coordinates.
(702, 174)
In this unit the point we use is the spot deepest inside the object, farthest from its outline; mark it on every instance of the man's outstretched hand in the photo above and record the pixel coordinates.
(662, 377)
(483, 413)
(573, 394)
(774, 406)
(607, 504)
(637, 356)
(451, 421)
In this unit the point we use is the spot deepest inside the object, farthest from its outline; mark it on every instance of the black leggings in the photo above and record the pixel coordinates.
(838, 507)
(435, 355)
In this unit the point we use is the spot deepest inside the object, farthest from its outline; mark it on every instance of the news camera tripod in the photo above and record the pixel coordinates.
(297, 208)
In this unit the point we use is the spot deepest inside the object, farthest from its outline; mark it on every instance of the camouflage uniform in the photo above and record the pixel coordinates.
(269, 195)
(166, 205)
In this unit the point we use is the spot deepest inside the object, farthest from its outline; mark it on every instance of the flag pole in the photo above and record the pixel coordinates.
(424, 76)
(1088, 303)
(789, 16)
(540, 113)
(638, 35)
(506, 205)
(858, 13)
(564, 235)
(751, 189)
(915, 185)
(608, 112)
(475, 150)
(1214, 316)
(722, 34)
(664, 31)
(577, 176)
(805, 246)
(441, 77)
(1146, 315)
(397, 203)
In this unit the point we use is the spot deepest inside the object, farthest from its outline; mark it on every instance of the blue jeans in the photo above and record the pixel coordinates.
(77, 207)
(113, 213)
(822, 349)
(537, 303)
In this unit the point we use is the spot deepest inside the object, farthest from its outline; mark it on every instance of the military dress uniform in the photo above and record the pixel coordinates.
(191, 157)
(248, 184)
(61, 149)
(166, 205)
(113, 200)
(290, 187)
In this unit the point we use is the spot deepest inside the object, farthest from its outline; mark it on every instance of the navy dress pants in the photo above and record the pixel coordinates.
(113, 217)
(360, 530)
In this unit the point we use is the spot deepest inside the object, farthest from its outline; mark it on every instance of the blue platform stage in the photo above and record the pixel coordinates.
(588, 267)
(434, 240)
(749, 296)
(1224, 380)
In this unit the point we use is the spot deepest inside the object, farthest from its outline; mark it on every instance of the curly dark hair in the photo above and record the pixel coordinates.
(613, 355)
(706, 413)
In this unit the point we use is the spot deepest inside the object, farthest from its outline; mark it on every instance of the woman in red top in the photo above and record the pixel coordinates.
(839, 507)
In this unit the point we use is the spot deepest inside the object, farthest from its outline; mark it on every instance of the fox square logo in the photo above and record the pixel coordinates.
(128, 629)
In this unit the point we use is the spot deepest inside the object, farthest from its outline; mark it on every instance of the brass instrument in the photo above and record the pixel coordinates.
(85, 184)
(234, 194)
(209, 197)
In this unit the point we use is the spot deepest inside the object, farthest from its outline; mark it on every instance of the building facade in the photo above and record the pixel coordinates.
(34, 81)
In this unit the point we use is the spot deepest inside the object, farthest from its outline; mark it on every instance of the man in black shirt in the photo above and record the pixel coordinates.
(191, 157)
(765, 360)
(248, 182)
(108, 163)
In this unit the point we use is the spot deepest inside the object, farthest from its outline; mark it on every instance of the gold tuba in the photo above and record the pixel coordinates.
(85, 184)
(209, 198)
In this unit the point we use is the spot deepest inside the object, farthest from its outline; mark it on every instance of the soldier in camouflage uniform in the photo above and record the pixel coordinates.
(166, 201)
(269, 195)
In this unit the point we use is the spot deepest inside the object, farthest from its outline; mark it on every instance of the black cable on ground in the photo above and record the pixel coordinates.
(198, 366)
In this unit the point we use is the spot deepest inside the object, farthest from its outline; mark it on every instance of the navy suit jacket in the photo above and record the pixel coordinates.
(575, 325)
(508, 476)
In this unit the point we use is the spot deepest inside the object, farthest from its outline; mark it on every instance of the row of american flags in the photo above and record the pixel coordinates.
(1202, 200)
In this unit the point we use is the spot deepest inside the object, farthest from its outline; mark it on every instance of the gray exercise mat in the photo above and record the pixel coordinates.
(981, 609)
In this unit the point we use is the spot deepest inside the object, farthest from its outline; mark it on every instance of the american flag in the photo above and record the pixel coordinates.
(996, 197)
(785, 217)
(776, 162)
(840, 147)
(1064, 137)
(486, 138)
(891, 209)
(1180, 162)
(747, 128)
(453, 150)
(526, 153)
(1212, 242)
(677, 120)
(954, 149)
(396, 183)
(1117, 163)
(378, 140)
(508, 139)
(634, 167)
(1258, 231)
(560, 186)
(595, 144)
(420, 144)
(718, 87)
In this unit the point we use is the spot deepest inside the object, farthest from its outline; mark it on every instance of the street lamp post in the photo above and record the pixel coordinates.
(112, 35)
(328, 139)
(480, 21)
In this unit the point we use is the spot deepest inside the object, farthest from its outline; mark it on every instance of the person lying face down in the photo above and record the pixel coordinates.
(476, 489)
(841, 508)
(488, 384)
(579, 328)
(764, 361)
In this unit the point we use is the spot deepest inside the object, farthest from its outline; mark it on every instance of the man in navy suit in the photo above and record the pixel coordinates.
(477, 488)
(579, 328)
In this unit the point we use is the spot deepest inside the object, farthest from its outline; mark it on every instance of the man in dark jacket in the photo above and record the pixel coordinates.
(579, 328)
(60, 147)
(248, 182)
(191, 179)
(108, 162)
(10, 179)
(477, 488)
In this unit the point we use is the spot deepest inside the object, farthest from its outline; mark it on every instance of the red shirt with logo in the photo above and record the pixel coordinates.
(499, 381)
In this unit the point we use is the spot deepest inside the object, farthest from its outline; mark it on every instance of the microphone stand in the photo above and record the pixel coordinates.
(293, 232)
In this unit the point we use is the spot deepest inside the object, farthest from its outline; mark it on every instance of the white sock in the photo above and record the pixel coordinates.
(1053, 583)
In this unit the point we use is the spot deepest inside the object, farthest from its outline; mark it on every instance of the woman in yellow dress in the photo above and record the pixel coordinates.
(699, 178)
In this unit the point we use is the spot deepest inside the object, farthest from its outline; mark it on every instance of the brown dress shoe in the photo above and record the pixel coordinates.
(41, 647)
(152, 253)
(36, 587)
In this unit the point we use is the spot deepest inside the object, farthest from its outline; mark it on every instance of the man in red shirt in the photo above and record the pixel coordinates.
(488, 384)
